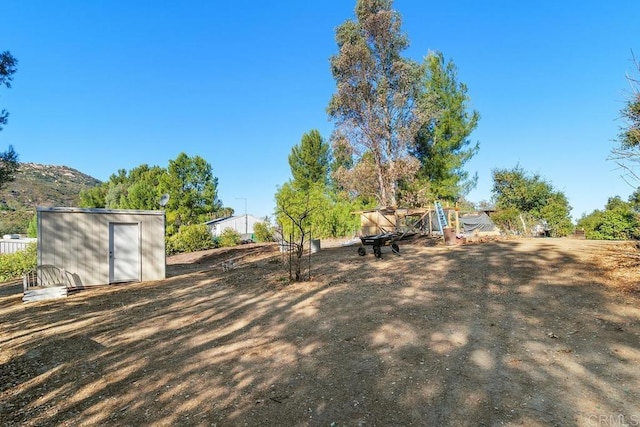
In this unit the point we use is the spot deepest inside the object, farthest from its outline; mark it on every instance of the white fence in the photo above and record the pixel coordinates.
(9, 246)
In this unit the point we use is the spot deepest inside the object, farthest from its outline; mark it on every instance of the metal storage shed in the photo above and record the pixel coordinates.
(103, 246)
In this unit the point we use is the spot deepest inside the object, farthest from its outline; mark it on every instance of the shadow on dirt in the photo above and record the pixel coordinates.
(484, 334)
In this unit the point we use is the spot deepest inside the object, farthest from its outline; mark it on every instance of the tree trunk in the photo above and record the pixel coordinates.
(299, 253)
(381, 182)
(392, 186)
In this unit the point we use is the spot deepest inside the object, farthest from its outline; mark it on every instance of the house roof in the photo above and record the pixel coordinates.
(217, 220)
(228, 218)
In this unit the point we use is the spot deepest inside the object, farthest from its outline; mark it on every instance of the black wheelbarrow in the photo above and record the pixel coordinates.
(378, 241)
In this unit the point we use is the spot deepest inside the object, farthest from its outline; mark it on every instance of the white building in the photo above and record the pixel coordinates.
(12, 243)
(241, 224)
(103, 246)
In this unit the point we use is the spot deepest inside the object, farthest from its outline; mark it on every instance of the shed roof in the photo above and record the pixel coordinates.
(98, 210)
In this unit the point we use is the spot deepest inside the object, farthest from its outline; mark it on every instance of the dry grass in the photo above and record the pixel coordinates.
(515, 332)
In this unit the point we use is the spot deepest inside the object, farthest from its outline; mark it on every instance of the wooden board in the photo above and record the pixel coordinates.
(44, 293)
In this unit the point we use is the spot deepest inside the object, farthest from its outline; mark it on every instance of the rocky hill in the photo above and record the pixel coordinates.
(39, 185)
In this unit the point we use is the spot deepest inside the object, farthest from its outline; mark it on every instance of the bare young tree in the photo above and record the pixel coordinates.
(627, 153)
(9, 165)
(294, 211)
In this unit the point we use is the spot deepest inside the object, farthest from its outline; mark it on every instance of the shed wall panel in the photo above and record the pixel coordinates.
(78, 241)
(153, 243)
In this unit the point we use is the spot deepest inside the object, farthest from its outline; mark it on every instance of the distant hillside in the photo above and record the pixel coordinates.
(39, 185)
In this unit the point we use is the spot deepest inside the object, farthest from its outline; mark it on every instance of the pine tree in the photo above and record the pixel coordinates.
(442, 144)
(8, 159)
(309, 161)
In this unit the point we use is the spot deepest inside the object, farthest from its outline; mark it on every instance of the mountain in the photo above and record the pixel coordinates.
(39, 185)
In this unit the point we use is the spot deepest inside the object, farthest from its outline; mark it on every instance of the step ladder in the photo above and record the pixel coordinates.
(442, 219)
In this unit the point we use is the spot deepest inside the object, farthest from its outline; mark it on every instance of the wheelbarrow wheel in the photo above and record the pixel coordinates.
(377, 251)
(362, 251)
(395, 248)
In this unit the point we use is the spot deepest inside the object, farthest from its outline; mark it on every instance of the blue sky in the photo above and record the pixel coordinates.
(108, 85)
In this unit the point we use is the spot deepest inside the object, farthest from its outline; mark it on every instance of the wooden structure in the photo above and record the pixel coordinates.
(102, 246)
(405, 220)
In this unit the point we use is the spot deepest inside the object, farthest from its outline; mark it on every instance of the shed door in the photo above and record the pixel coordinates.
(124, 252)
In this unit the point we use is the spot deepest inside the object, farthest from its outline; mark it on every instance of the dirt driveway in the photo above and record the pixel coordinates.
(533, 332)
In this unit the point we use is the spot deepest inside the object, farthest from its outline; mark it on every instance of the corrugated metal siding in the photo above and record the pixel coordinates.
(10, 246)
(236, 223)
(78, 241)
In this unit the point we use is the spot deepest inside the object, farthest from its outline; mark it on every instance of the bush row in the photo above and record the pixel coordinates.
(12, 266)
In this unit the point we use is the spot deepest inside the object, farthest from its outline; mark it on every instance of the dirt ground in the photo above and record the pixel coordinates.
(534, 332)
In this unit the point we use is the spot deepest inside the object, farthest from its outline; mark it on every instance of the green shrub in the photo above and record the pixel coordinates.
(337, 220)
(32, 228)
(229, 237)
(508, 220)
(263, 232)
(14, 222)
(190, 238)
(611, 225)
(618, 221)
(12, 266)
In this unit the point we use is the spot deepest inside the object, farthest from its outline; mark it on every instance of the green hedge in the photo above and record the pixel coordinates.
(190, 238)
(229, 237)
(263, 232)
(12, 266)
